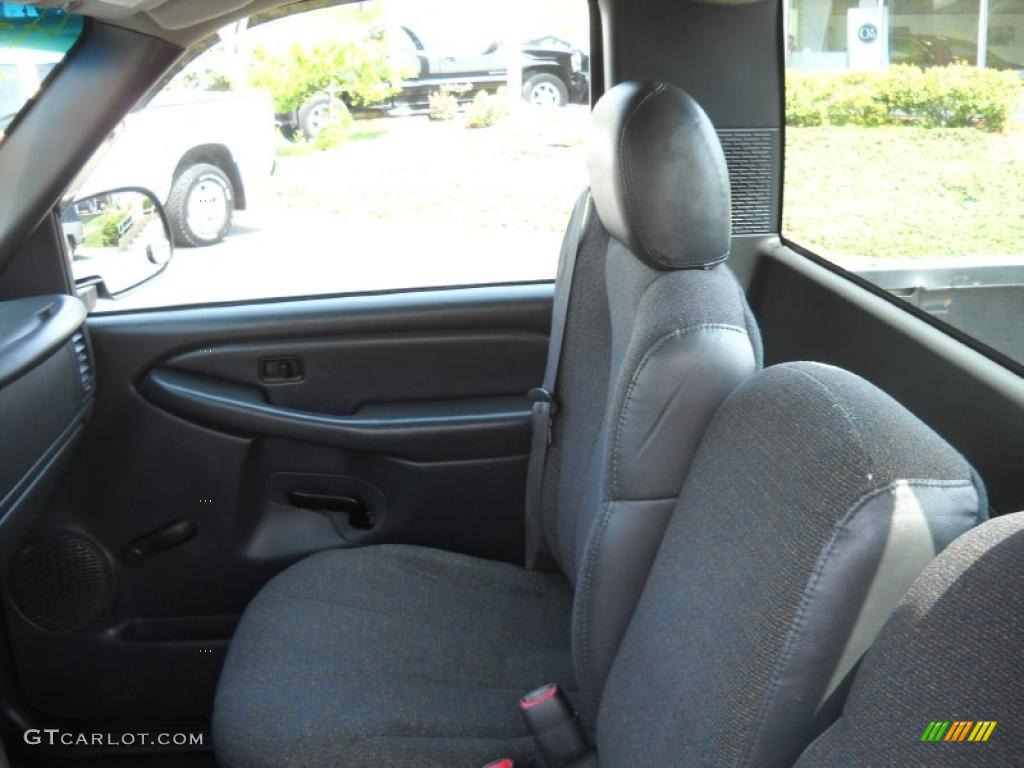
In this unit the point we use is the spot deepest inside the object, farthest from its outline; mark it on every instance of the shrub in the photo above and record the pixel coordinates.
(856, 102)
(957, 96)
(486, 110)
(109, 223)
(443, 104)
(335, 130)
(804, 100)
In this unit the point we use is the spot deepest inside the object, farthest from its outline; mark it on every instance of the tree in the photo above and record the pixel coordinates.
(359, 68)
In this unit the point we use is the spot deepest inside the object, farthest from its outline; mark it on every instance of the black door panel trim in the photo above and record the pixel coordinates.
(127, 344)
(813, 311)
(456, 429)
(343, 373)
(906, 307)
(956, 347)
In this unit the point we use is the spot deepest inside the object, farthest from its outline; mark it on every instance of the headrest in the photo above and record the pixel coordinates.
(658, 176)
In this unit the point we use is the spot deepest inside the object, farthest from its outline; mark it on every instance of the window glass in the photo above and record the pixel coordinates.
(32, 42)
(905, 152)
(324, 152)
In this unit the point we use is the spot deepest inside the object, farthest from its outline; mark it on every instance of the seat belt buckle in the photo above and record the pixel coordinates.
(505, 762)
(555, 726)
(544, 405)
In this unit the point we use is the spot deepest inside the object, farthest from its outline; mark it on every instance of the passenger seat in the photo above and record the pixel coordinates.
(401, 655)
(814, 502)
(943, 686)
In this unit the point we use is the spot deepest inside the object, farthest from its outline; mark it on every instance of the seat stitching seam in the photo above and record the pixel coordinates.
(724, 192)
(634, 382)
(838, 402)
(587, 688)
(589, 561)
(413, 564)
(472, 580)
(808, 594)
(632, 210)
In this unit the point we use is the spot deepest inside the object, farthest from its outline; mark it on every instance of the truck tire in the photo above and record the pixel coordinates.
(200, 206)
(545, 90)
(315, 112)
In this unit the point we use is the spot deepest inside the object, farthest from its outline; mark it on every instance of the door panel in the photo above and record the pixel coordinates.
(370, 393)
(401, 418)
(809, 311)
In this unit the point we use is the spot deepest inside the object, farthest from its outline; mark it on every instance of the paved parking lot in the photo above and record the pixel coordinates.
(295, 254)
(422, 204)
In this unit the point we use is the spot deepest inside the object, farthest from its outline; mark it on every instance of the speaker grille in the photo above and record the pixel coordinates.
(61, 581)
(750, 155)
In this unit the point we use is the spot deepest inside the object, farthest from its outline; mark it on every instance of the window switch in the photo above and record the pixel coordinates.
(281, 369)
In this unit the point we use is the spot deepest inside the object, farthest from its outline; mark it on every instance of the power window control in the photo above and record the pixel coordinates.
(281, 369)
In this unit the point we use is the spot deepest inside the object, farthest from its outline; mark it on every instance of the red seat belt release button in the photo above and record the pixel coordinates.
(555, 725)
(538, 697)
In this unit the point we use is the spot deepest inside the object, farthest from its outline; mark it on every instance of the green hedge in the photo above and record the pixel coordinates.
(957, 96)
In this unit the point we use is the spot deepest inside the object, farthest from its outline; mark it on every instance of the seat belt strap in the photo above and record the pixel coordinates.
(545, 406)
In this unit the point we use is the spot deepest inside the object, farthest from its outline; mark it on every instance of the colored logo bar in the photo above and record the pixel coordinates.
(959, 730)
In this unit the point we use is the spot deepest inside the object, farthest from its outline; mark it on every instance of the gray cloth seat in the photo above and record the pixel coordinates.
(951, 652)
(658, 334)
(814, 502)
(341, 668)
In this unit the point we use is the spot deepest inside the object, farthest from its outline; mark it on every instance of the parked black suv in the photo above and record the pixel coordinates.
(554, 74)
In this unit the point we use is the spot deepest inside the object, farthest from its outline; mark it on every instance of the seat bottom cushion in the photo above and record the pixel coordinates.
(388, 656)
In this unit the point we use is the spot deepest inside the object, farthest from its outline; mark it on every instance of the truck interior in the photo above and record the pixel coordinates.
(715, 495)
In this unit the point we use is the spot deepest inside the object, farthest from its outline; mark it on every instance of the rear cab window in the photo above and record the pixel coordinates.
(33, 42)
(905, 154)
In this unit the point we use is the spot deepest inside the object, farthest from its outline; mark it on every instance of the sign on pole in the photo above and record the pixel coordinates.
(867, 38)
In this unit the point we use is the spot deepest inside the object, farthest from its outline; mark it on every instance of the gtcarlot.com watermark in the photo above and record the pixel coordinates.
(53, 737)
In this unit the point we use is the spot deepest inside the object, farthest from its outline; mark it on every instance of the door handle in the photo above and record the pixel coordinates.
(345, 512)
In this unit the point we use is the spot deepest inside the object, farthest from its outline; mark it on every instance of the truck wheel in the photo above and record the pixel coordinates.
(545, 90)
(316, 112)
(200, 206)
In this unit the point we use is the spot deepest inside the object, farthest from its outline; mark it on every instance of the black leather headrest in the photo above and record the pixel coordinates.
(658, 176)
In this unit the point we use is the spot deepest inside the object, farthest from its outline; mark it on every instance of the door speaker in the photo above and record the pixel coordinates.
(62, 581)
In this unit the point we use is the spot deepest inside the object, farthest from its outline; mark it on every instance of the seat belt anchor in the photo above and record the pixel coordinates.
(544, 405)
(541, 395)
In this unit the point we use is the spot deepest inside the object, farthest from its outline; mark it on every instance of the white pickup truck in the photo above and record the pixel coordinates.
(204, 154)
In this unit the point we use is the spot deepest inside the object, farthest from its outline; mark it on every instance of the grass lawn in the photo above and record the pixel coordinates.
(851, 193)
(93, 233)
(900, 192)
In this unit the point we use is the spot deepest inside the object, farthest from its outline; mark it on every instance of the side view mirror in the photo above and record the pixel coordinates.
(117, 239)
(492, 48)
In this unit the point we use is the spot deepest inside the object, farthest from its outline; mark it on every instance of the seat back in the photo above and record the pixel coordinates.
(658, 334)
(813, 503)
(943, 685)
